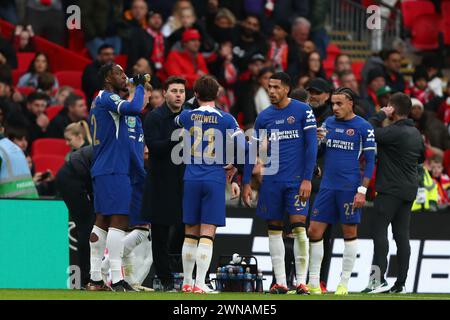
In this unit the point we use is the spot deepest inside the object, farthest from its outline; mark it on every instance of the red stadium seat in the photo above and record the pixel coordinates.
(425, 32)
(332, 51)
(328, 66)
(44, 162)
(69, 78)
(121, 60)
(411, 9)
(49, 146)
(52, 111)
(16, 74)
(357, 67)
(24, 59)
(445, 7)
(79, 92)
(26, 90)
(447, 161)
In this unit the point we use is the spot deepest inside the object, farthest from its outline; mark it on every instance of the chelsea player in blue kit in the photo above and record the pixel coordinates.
(110, 172)
(344, 138)
(292, 125)
(204, 180)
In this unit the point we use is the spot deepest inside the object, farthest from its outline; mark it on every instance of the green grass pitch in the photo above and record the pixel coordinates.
(23, 294)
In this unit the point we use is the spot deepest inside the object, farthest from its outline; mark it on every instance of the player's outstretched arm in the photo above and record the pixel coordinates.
(133, 107)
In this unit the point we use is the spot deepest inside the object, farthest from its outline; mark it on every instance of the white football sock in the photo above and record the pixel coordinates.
(277, 251)
(203, 260)
(105, 268)
(97, 251)
(315, 261)
(301, 254)
(348, 261)
(144, 260)
(188, 255)
(133, 239)
(114, 244)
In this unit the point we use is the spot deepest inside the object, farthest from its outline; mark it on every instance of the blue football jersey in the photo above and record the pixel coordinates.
(136, 135)
(288, 127)
(208, 129)
(345, 142)
(109, 131)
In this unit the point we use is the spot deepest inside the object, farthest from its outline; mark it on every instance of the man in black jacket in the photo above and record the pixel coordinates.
(163, 193)
(75, 110)
(74, 185)
(400, 149)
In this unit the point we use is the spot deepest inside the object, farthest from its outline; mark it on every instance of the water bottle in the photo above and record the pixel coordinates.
(219, 286)
(225, 279)
(232, 279)
(248, 281)
(146, 76)
(259, 282)
(240, 280)
(156, 283)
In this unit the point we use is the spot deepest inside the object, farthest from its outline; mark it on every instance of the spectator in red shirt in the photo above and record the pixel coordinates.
(188, 63)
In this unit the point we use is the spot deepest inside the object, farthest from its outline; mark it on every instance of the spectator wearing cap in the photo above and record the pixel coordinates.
(188, 63)
(383, 96)
(319, 94)
(436, 136)
(392, 75)
(375, 81)
(420, 89)
(283, 53)
(74, 110)
(248, 41)
(245, 90)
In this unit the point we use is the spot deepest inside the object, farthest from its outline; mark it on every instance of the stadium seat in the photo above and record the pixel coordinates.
(24, 59)
(69, 78)
(49, 146)
(121, 60)
(52, 111)
(425, 32)
(447, 161)
(411, 9)
(357, 67)
(445, 27)
(16, 74)
(332, 51)
(79, 92)
(26, 90)
(44, 162)
(328, 66)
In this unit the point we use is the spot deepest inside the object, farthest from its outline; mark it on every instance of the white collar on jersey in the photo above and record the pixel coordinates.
(208, 109)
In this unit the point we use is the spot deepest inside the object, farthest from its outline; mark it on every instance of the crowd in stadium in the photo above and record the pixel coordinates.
(240, 42)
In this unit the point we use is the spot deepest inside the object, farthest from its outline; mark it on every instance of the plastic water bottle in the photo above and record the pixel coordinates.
(232, 279)
(146, 76)
(248, 281)
(225, 280)
(240, 280)
(259, 282)
(156, 283)
(219, 286)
